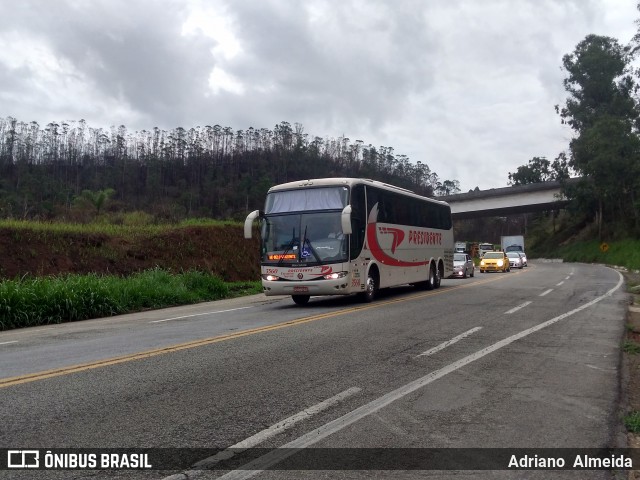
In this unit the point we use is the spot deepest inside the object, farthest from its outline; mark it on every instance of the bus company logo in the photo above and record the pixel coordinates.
(23, 459)
(326, 270)
(423, 237)
(398, 236)
(379, 253)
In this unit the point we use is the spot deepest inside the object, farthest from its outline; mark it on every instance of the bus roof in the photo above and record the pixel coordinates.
(347, 182)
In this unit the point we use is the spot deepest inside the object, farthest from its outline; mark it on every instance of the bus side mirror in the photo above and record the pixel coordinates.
(248, 223)
(345, 219)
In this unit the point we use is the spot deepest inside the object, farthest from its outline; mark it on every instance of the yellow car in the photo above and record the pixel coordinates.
(495, 262)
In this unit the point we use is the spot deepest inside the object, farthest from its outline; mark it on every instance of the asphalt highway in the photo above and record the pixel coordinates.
(519, 360)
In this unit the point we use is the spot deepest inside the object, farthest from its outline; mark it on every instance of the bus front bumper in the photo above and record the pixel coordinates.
(339, 286)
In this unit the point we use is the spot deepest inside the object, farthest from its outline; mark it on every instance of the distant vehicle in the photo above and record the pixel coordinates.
(484, 248)
(463, 266)
(495, 262)
(512, 243)
(515, 259)
(524, 258)
(338, 236)
(460, 247)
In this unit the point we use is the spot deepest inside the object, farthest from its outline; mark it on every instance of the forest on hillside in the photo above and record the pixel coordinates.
(47, 172)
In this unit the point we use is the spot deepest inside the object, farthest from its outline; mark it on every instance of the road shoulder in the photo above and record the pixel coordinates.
(630, 399)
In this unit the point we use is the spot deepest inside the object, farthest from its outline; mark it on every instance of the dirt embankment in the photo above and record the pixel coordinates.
(221, 250)
(631, 378)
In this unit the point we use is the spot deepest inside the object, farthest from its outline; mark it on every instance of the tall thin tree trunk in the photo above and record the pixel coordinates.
(600, 219)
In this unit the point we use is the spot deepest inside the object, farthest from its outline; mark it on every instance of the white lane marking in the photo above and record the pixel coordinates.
(600, 368)
(275, 456)
(449, 342)
(548, 291)
(197, 315)
(277, 428)
(515, 309)
(567, 277)
(7, 343)
(558, 284)
(263, 435)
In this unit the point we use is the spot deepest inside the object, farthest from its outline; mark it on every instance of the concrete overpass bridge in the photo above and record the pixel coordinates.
(496, 202)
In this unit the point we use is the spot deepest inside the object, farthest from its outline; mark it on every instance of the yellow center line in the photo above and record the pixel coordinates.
(32, 377)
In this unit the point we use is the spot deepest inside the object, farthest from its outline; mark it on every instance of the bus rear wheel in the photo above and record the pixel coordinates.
(301, 299)
(433, 282)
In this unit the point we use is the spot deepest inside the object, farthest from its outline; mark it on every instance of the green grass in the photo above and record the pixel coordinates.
(46, 300)
(631, 347)
(101, 228)
(632, 422)
(624, 253)
(106, 228)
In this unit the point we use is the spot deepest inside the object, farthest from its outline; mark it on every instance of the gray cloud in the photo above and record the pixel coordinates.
(461, 85)
(127, 52)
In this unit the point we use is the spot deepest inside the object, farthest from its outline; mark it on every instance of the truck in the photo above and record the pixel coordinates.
(484, 247)
(512, 243)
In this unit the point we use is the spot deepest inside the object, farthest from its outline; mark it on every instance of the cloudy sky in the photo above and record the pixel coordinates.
(466, 86)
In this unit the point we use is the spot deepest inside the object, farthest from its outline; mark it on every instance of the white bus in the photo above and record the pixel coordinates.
(338, 236)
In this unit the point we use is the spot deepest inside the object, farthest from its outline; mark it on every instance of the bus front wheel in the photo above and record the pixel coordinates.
(301, 299)
(371, 288)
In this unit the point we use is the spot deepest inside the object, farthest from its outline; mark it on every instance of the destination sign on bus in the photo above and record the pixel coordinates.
(280, 256)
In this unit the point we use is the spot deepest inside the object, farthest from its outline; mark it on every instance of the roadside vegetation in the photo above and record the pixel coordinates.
(32, 301)
(631, 347)
(129, 225)
(53, 272)
(632, 422)
(51, 249)
(622, 253)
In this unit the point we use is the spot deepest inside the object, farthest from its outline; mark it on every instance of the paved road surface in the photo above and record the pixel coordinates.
(527, 359)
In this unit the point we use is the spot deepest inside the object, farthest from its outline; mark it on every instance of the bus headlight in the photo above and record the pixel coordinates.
(270, 278)
(335, 275)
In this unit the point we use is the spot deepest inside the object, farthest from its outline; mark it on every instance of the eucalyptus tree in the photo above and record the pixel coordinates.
(537, 170)
(602, 112)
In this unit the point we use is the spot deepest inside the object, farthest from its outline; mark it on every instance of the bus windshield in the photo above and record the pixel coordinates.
(311, 238)
(319, 198)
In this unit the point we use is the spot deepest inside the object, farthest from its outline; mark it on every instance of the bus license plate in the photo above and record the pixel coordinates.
(301, 289)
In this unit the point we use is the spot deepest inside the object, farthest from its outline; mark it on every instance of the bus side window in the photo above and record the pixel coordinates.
(358, 220)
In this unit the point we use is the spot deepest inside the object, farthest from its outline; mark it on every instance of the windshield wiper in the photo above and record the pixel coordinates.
(306, 241)
(289, 246)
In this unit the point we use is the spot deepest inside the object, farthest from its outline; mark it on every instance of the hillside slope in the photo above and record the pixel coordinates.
(221, 250)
